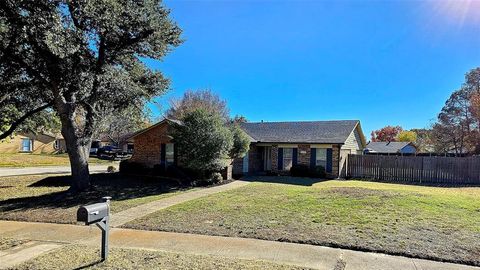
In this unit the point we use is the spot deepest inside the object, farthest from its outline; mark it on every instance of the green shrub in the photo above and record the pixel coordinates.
(241, 142)
(159, 170)
(216, 178)
(204, 142)
(318, 172)
(300, 170)
(128, 167)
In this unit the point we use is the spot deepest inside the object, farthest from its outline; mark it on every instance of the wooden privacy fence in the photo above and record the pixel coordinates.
(415, 169)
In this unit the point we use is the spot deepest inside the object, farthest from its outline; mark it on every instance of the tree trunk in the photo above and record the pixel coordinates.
(78, 149)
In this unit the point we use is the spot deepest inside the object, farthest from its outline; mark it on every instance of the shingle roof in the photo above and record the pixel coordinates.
(386, 147)
(300, 132)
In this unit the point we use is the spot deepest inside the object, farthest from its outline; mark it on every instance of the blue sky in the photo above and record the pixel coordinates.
(382, 62)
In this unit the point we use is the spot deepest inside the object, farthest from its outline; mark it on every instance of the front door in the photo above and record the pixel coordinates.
(267, 158)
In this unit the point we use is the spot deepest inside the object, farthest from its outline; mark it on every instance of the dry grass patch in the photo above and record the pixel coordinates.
(427, 222)
(8, 243)
(82, 257)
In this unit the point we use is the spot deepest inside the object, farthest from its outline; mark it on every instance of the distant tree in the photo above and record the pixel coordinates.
(116, 125)
(239, 119)
(241, 142)
(81, 58)
(455, 128)
(424, 141)
(458, 124)
(407, 136)
(386, 134)
(195, 100)
(475, 106)
(204, 141)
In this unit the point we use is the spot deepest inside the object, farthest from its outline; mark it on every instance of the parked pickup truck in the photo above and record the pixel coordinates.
(111, 152)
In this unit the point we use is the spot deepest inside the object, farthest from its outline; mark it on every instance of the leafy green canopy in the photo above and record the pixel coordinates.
(204, 141)
(82, 57)
(241, 142)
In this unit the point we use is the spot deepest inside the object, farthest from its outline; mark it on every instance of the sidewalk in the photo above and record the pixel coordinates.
(286, 253)
(120, 218)
(48, 170)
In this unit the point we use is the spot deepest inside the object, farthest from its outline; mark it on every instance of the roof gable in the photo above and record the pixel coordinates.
(335, 132)
(165, 120)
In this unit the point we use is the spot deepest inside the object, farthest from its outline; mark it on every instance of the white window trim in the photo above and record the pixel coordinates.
(290, 160)
(30, 145)
(321, 160)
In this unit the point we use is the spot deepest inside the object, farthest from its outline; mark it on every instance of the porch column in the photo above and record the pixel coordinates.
(274, 158)
(335, 161)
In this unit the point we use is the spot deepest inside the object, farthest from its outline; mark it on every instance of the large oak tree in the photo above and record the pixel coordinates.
(82, 57)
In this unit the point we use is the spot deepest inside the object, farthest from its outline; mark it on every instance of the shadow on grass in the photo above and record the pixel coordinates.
(289, 180)
(89, 265)
(119, 187)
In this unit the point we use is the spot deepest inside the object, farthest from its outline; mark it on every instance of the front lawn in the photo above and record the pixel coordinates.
(88, 258)
(43, 198)
(428, 222)
(35, 160)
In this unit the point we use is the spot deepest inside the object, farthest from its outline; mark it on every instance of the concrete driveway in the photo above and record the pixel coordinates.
(50, 170)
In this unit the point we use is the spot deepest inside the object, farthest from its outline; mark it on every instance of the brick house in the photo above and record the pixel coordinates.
(154, 145)
(277, 146)
(274, 146)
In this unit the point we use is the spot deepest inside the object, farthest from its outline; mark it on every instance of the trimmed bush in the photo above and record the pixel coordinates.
(300, 170)
(133, 168)
(216, 178)
(318, 172)
(159, 170)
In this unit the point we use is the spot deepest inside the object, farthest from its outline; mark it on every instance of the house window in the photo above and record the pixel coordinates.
(169, 153)
(26, 145)
(321, 157)
(287, 158)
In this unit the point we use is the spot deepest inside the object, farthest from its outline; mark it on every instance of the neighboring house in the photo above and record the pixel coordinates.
(39, 143)
(390, 148)
(274, 147)
(277, 146)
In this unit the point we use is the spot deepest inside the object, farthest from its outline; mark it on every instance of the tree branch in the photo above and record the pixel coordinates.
(22, 119)
(72, 15)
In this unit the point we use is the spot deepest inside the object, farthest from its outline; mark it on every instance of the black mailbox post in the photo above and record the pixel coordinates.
(98, 214)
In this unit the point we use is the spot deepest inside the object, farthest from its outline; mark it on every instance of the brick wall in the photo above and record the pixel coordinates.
(335, 161)
(148, 145)
(304, 158)
(274, 158)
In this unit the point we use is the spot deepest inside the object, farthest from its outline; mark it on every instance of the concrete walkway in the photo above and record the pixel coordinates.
(285, 253)
(49, 170)
(120, 218)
